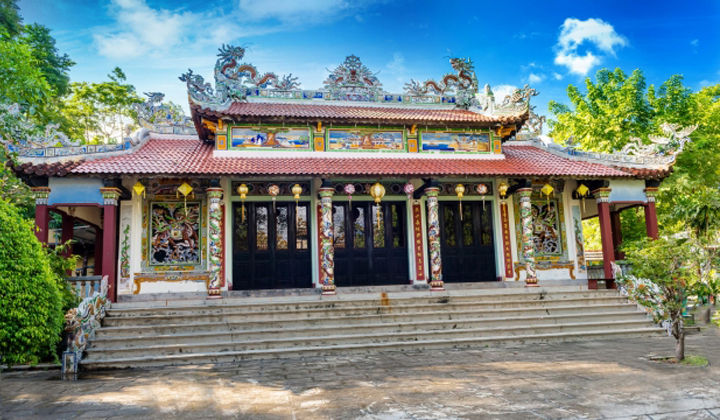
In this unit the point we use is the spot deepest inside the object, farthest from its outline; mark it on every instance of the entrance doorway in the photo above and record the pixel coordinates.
(271, 246)
(370, 243)
(467, 249)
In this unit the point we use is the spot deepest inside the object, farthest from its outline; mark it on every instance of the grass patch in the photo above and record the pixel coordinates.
(689, 360)
(695, 361)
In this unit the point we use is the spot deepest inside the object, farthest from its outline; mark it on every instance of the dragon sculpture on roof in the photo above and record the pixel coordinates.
(464, 80)
(233, 79)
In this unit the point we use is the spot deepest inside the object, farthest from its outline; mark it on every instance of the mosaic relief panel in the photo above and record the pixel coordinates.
(579, 239)
(548, 232)
(455, 142)
(350, 140)
(246, 138)
(175, 233)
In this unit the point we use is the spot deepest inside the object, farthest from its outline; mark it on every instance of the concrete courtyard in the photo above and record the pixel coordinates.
(590, 380)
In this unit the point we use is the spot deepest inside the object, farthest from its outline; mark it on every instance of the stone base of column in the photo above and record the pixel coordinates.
(531, 282)
(437, 286)
(214, 293)
(329, 290)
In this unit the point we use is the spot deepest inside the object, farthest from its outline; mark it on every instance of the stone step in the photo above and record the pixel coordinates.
(198, 318)
(106, 340)
(172, 325)
(399, 299)
(427, 343)
(349, 337)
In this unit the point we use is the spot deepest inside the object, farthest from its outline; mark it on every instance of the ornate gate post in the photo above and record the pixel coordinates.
(215, 241)
(42, 217)
(436, 281)
(327, 249)
(527, 237)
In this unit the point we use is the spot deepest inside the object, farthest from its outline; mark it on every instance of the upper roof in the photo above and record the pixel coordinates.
(187, 157)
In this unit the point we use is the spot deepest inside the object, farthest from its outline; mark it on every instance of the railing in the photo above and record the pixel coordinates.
(80, 326)
(84, 286)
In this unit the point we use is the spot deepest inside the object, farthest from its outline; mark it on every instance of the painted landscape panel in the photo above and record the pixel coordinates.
(244, 138)
(174, 233)
(361, 141)
(455, 142)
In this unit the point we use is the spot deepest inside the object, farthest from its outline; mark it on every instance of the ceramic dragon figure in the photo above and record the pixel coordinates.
(464, 80)
(669, 145)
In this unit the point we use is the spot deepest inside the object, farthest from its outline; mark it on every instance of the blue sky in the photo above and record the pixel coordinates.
(547, 44)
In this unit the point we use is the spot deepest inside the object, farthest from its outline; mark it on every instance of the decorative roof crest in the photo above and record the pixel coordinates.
(662, 150)
(159, 117)
(352, 80)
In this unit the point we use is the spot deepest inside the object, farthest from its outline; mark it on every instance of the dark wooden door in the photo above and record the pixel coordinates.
(271, 248)
(370, 243)
(466, 242)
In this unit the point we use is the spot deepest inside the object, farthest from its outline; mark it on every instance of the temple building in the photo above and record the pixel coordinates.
(269, 185)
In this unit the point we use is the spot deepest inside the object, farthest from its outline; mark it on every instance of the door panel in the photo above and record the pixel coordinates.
(466, 242)
(271, 246)
(370, 244)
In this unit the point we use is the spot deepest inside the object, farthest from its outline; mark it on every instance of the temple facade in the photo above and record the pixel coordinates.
(267, 185)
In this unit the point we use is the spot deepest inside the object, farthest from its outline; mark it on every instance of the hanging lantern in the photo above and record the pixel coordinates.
(349, 190)
(297, 190)
(502, 189)
(460, 191)
(377, 191)
(583, 192)
(243, 191)
(409, 189)
(547, 189)
(273, 190)
(185, 189)
(482, 189)
(139, 188)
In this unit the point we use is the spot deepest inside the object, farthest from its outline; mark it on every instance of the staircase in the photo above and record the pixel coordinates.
(163, 333)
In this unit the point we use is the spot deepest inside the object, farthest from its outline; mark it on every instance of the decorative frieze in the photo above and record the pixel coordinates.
(110, 195)
(41, 194)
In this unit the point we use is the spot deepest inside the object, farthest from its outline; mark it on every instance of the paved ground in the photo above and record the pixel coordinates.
(608, 379)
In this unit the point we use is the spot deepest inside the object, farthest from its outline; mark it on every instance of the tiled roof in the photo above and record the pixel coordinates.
(352, 113)
(46, 169)
(192, 157)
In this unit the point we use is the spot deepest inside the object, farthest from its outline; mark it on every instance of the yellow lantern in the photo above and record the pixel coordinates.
(377, 191)
(185, 189)
(139, 188)
(502, 189)
(297, 190)
(243, 190)
(547, 189)
(460, 191)
(583, 192)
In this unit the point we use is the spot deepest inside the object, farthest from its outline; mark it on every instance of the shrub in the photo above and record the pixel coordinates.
(31, 305)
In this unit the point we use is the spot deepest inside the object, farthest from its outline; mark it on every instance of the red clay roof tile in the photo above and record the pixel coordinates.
(191, 157)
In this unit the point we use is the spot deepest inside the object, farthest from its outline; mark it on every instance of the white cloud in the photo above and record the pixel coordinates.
(397, 65)
(575, 33)
(501, 91)
(557, 76)
(695, 42)
(536, 78)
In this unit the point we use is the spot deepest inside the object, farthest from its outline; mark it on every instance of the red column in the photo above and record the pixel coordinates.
(109, 239)
(651, 224)
(616, 234)
(606, 231)
(42, 215)
(98, 251)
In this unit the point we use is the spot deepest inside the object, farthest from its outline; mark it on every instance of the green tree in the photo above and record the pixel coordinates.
(31, 319)
(105, 111)
(21, 80)
(10, 20)
(662, 272)
(51, 63)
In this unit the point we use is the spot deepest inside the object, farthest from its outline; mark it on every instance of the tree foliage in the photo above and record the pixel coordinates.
(105, 111)
(31, 319)
(10, 20)
(662, 272)
(616, 107)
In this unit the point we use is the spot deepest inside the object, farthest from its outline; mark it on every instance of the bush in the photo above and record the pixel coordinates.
(31, 314)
